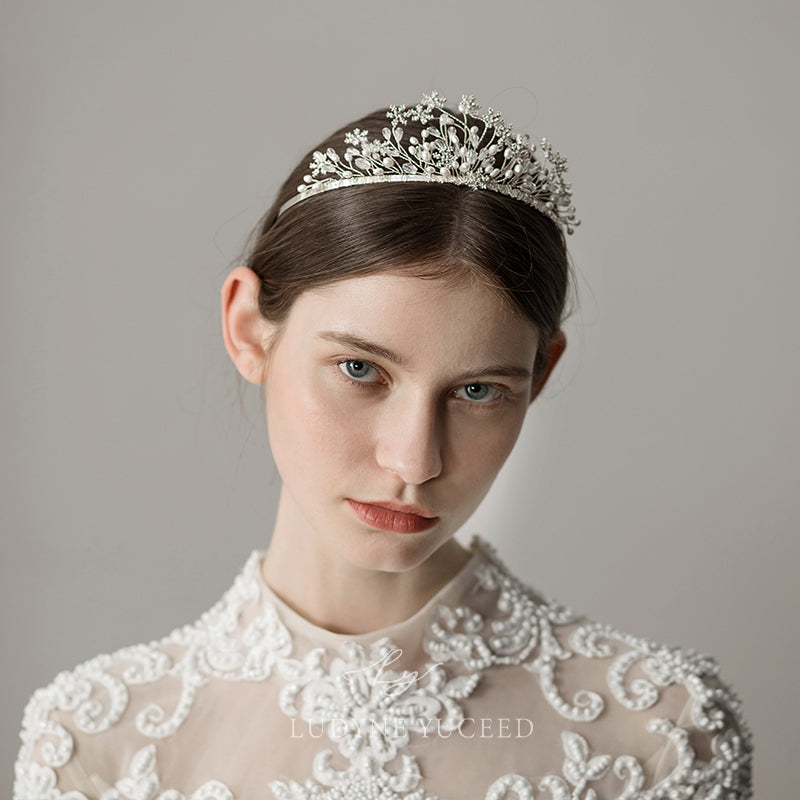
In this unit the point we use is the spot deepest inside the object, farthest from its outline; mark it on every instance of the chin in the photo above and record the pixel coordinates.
(385, 551)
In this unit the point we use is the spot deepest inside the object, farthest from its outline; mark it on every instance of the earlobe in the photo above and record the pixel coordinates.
(558, 344)
(245, 331)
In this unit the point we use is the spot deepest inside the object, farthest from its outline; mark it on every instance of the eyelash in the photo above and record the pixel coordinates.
(351, 380)
(503, 392)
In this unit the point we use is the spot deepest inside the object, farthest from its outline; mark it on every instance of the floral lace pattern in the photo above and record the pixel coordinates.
(365, 779)
(579, 771)
(366, 708)
(142, 783)
(525, 635)
(374, 716)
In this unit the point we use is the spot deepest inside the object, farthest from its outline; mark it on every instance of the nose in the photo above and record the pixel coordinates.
(409, 441)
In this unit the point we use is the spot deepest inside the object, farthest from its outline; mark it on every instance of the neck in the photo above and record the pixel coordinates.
(311, 575)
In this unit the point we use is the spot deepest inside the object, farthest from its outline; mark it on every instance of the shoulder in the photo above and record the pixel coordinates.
(662, 713)
(80, 733)
(78, 706)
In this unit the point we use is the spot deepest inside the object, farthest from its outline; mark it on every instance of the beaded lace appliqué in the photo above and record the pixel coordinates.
(96, 698)
(579, 771)
(525, 636)
(370, 712)
(143, 784)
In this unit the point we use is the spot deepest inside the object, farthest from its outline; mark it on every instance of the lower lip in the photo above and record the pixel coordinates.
(386, 520)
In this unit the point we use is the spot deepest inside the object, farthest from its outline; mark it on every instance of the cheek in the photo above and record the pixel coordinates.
(312, 431)
(479, 456)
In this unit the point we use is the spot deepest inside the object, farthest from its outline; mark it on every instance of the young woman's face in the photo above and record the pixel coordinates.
(389, 390)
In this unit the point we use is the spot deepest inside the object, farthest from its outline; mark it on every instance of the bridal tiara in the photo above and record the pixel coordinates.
(450, 149)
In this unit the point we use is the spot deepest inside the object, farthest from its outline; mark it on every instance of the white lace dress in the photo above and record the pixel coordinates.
(489, 692)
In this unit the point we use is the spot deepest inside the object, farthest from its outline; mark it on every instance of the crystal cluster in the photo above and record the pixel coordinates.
(449, 149)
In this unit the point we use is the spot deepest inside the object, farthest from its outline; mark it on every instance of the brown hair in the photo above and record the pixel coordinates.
(426, 230)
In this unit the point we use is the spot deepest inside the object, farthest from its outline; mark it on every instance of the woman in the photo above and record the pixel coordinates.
(402, 305)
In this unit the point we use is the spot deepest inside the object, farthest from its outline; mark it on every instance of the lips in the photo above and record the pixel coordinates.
(393, 516)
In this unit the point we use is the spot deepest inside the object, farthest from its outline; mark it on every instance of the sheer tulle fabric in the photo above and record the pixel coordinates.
(489, 691)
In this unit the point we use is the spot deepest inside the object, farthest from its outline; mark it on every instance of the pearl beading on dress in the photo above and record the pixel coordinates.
(244, 639)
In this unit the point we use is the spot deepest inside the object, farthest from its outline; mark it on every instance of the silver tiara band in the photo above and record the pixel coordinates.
(452, 150)
(341, 184)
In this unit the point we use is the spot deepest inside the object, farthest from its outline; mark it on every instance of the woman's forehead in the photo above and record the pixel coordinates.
(386, 288)
(417, 315)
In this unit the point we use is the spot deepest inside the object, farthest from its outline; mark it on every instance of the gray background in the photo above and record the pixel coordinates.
(655, 486)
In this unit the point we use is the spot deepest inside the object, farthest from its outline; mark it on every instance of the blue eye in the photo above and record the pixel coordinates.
(479, 392)
(357, 370)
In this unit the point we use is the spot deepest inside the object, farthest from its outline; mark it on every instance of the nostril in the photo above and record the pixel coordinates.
(413, 461)
(409, 440)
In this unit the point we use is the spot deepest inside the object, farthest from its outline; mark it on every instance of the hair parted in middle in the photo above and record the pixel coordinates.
(425, 230)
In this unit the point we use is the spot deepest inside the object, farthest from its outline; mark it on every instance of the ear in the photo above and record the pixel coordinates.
(558, 344)
(245, 331)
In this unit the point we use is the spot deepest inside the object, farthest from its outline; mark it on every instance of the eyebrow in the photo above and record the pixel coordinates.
(503, 369)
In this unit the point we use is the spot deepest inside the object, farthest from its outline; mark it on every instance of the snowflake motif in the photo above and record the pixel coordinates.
(366, 707)
(481, 152)
(469, 106)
